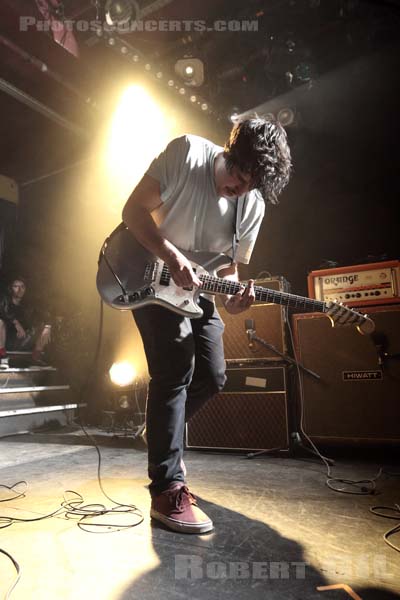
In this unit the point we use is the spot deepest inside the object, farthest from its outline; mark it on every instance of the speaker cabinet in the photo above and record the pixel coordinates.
(250, 414)
(269, 322)
(357, 398)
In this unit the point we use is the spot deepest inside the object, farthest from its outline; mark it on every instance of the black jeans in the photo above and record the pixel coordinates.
(185, 359)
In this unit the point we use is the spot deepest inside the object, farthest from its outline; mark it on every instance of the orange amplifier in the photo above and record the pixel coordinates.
(358, 285)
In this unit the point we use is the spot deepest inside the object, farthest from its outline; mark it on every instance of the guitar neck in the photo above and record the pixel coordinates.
(217, 285)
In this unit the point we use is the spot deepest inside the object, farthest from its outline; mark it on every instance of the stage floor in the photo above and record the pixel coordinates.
(280, 532)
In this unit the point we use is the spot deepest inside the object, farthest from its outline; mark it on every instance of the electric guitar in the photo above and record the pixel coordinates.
(130, 277)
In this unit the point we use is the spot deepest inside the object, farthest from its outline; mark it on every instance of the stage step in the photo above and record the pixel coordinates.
(32, 397)
(28, 376)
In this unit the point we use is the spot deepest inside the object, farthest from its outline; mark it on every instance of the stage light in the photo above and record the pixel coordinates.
(125, 407)
(188, 71)
(133, 140)
(120, 12)
(290, 45)
(193, 98)
(191, 70)
(122, 374)
(124, 402)
(286, 116)
(204, 106)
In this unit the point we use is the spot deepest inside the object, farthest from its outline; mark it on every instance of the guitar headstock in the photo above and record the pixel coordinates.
(343, 316)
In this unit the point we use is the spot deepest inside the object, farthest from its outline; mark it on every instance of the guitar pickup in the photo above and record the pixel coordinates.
(150, 272)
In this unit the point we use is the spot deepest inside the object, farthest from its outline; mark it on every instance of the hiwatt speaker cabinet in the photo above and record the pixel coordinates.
(357, 399)
(251, 413)
(269, 322)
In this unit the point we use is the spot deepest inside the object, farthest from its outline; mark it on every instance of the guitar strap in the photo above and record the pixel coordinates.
(240, 205)
(238, 219)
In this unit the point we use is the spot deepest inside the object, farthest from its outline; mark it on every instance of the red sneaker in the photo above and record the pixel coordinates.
(177, 508)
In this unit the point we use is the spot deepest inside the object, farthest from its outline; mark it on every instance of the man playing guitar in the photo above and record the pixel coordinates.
(197, 196)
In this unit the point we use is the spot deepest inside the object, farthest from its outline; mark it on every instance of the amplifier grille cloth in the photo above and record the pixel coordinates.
(253, 421)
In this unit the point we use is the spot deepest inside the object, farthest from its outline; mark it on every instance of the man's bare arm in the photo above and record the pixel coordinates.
(145, 198)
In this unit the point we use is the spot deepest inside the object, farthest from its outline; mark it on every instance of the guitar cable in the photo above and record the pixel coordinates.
(389, 513)
(364, 487)
(72, 506)
(103, 255)
(93, 371)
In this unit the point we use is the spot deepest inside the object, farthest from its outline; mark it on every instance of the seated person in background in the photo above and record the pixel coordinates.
(15, 333)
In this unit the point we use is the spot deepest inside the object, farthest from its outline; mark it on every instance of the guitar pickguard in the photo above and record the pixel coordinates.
(130, 277)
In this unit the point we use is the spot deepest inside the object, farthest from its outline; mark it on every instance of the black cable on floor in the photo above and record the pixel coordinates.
(377, 510)
(17, 568)
(74, 507)
(71, 507)
(12, 488)
(85, 386)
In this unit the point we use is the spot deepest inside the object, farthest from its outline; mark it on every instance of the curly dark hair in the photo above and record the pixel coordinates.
(260, 148)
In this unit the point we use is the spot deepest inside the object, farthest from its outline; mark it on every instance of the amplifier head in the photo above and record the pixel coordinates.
(358, 285)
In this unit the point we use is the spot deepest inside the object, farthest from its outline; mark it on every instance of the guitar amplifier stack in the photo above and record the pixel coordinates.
(251, 413)
(356, 401)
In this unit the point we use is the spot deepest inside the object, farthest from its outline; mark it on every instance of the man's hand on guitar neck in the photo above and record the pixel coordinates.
(242, 300)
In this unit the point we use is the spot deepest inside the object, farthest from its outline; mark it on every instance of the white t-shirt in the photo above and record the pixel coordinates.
(192, 216)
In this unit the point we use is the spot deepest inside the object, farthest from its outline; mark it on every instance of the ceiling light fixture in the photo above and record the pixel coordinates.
(120, 12)
(286, 116)
(191, 70)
